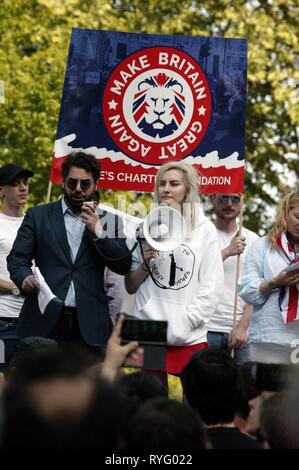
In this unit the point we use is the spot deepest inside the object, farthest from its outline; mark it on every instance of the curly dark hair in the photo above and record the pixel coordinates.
(81, 160)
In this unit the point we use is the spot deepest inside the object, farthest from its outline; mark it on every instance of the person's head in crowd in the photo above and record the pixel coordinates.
(280, 419)
(286, 219)
(249, 391)
(177, 185)
(54, 403)
(273, 423)
(14, 187)
(39, 358)
(211, 384)
(80, 175)
(138, 388)
(166, 424)
(141, 387)
(226, 206)
(32, 345)
(270, 379)
(291, 400)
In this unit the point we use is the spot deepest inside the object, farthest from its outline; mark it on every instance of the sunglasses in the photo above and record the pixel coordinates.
(72, 184)
(224, 199)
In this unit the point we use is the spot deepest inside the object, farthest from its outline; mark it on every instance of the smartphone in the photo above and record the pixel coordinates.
(151, 336)
(292, 267)
(144, 331)
(91, 204)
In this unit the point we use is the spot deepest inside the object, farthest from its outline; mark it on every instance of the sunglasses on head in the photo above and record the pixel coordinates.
(224, 198)
(73, 182)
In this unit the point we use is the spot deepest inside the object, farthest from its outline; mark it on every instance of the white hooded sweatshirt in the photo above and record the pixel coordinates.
(189, 303)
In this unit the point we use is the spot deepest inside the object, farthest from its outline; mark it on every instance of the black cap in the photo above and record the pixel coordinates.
(10, 172)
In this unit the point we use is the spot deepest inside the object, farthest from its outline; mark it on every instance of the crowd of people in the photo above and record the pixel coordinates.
(63, 376)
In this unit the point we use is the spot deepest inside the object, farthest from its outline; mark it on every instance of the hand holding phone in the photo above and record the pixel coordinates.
(117, 352)
(152, 336)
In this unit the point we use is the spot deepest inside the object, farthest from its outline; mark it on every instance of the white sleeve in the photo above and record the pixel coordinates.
(136, 255)
(210, 286)
(253, 275)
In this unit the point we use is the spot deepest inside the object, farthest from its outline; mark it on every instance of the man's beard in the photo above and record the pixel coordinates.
(76, 206)
(227, 215)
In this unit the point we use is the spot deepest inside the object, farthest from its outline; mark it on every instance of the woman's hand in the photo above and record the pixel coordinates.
(283, 279)
(135, 278)
(149, 253)
(287, 279)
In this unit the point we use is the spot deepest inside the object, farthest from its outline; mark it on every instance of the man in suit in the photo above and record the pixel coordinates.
(71, 245)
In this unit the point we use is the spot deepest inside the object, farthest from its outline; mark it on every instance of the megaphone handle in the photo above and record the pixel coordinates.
(172, 271)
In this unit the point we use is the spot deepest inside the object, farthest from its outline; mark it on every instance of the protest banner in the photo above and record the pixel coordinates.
(136, 101)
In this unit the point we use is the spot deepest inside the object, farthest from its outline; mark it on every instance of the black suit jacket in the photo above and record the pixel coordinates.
(42, 237)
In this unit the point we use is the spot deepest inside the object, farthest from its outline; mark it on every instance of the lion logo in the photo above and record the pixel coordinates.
(159, 106)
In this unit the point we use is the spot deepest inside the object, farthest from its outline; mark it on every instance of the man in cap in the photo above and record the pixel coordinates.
(14, 190)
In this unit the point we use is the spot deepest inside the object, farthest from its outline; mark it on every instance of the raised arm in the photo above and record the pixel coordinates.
(139, 272)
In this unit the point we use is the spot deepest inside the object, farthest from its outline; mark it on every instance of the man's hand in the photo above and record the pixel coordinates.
(116, 353)
(30, 284)
(91, 219)
(236, 247)
(238, 339)
(6, 287)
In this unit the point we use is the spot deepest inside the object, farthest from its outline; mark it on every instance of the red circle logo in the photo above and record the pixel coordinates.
(157, 105)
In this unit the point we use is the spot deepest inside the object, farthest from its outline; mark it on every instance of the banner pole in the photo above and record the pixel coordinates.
(49, 191)
(237, 274)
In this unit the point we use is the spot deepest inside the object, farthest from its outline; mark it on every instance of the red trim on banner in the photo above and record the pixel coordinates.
(119, 175)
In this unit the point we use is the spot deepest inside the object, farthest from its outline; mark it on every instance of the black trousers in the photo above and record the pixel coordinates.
(67, 328)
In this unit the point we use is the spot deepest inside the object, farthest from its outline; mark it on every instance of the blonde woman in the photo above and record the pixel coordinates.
(272, 289)
(187, 302)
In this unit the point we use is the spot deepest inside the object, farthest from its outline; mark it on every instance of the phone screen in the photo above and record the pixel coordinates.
(144, 331)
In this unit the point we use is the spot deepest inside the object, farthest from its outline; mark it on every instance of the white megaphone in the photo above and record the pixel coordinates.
(164, 228)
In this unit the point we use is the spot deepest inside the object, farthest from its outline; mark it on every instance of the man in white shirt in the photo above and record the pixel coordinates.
(14, 190)
(220, 326)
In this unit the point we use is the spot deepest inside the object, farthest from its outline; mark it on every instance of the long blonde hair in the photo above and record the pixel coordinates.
(282, 213)
(191, 181)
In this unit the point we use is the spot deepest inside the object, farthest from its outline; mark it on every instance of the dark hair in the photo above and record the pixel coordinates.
(249, 390)
(271, 377)
(141, 387)
(279, 417)
(99, 426)
(33, 364)
(81, 160)
(25, 424)
(212, 385)
(166, 424)
(274, 426)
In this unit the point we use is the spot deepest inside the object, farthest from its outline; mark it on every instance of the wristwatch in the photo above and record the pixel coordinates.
(15, 291)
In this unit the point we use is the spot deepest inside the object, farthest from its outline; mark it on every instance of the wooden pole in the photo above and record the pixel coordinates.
(49, 191)
(237, 273)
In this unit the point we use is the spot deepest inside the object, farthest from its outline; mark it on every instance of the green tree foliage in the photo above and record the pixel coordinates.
(34, 38)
